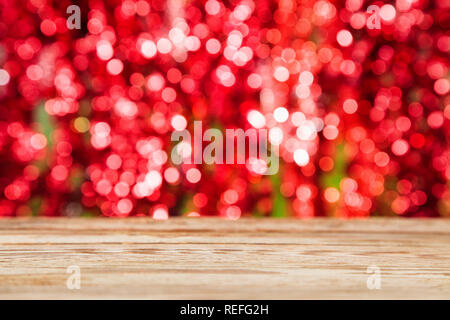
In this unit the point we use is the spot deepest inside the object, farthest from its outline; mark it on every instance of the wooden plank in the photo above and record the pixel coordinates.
(210, 258)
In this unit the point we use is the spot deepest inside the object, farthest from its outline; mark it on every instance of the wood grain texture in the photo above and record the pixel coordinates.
(219, 259)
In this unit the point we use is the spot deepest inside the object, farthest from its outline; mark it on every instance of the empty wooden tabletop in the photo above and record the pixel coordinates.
(211, 258)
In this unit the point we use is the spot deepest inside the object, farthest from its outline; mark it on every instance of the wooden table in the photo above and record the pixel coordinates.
(211, 258)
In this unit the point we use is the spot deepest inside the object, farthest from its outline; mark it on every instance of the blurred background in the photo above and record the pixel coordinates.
(357, 103)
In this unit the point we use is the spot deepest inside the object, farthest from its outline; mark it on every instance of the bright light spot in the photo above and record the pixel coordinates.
(38, 141)
(142, 8)
(330, 132)
(229, 52)
(332, 119)
(177, 36)
(159, 157)
(81, 124)
(281, 74)
(381, 159)
(148, 49)
(213, 46)
(4, 77)
(254, 81)
(350, 106)
(303, 193)
(331, 194)
(344, 38)
(306, 131)
(233, 212)
(302, 92)
(169, 95)
(114, 66)
(306, 78)
(281, 114)
(146, 147)
(347, 67)
(256, 119)
(230, 196)
(164, 45)
(153, 179)
(161, 213)
(114, 162)
(387, 12)
(125, 108)
(103, 187)
(275, 136)
(442, 86)
(171, 175)
(178, 122)
(301, 157)
(297, 118)
(256, 165)
(193, 175)
(242, 56)
(435, 119)
(124, 206)
(212, 7)
(104, 50)
(59, 173)
(34, 72)
(403, 123)
(234, 39)
(122, 189)
(358, 20)
(400, 147)
(348, 185)
(184, 149)
(192, 43)
(400, 204)
(155, 82)
(242, 12)
(225, 76)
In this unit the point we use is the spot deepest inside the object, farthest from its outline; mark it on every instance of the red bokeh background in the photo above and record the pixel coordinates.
(361, 115)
